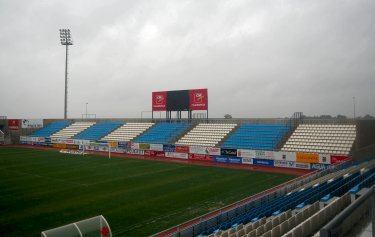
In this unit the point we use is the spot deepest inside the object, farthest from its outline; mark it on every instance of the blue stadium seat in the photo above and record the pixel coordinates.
(163, 133)
(98, 131)
(257, 136)
(50, 129)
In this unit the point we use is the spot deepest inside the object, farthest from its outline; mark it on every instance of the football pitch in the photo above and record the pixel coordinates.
(40, 190)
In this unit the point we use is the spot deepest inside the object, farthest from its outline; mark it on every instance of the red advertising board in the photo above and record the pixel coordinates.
(200, 157)
(182, 149)
(159, 101)
(198, 99)
(337, 159)
(150, 153)
(13, 124)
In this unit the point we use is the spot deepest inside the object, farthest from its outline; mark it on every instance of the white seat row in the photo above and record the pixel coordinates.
(127, 132)
(72, 130)
(206, 134)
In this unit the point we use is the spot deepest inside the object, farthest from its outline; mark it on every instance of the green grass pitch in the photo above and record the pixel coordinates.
(40, 190)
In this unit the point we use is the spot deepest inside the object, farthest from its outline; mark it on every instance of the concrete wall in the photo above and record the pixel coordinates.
(365, 133)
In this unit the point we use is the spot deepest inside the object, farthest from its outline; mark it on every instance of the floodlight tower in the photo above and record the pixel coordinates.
(66, 40)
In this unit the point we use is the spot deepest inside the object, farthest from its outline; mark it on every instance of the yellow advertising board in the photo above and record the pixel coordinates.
(307, 157)
(113, 144)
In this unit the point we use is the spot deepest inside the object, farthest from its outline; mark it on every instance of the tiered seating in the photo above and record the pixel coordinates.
(206, 134)
(98, 131)
(127, 132)
(72, 130)
(163, 133)
(50, 129)
(329, 139)
(257, 136)
(262, 219)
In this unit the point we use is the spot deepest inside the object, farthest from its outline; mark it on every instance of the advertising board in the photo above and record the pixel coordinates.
(169, 148)
(32, 123)
(228, 152)
(200, 157)
(198, 99)
(156, 147)
(307, 157)
(248, 161)
(135, 151)
(143, 146)
(263, 154)
(338, 159)
(283, 155)
(292, 164)
(182, 149)
(325, 158)
(263, 162)
(244, 153)
(134, 145)
(159, 101)
(320, 166)
(176, 155)
(13, 124)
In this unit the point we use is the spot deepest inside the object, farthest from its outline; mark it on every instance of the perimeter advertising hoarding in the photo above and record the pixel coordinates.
(284, 156)
(156, 147)
(246, 153)
(248, 161)
(13, 124)
(264, 154)
(182, 100)
(176, 155)
(169, 148)
(200, 157)
(135, 151)
(214, 151)
(228, 159)
(228, 152)
(337, 159)
(182, 149)
(143, 146)
(291, 164)
(134, 145)
(263, 162)
(325, 158)
(32, 123)
(150, 153)
(307, 157)
(320, 166)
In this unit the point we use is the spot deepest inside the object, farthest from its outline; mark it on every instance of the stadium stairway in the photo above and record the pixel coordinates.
(98, 131)
(50, 129)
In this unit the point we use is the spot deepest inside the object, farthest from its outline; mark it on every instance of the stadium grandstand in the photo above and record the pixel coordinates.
(334, 158)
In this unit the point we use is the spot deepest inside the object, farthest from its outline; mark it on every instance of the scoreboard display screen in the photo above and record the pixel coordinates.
(178, 100)
(181, 100)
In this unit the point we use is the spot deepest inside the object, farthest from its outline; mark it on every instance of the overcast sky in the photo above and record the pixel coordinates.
(258, 58)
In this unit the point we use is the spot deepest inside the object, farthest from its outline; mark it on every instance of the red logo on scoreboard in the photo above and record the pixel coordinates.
(159, 101)
(13, 124)
(198, 99)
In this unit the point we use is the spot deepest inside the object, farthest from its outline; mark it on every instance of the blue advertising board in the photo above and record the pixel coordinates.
(317, 166)
(263, 162)
(169, 148)
(235, 160)
(221, 159)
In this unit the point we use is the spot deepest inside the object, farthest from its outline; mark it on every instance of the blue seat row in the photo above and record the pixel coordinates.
(257, 136)
(98, 131)
(163, 133)
(50, 129)
(303, 197)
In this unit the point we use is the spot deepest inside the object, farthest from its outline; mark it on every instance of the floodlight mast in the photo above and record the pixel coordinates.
(65, 39)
